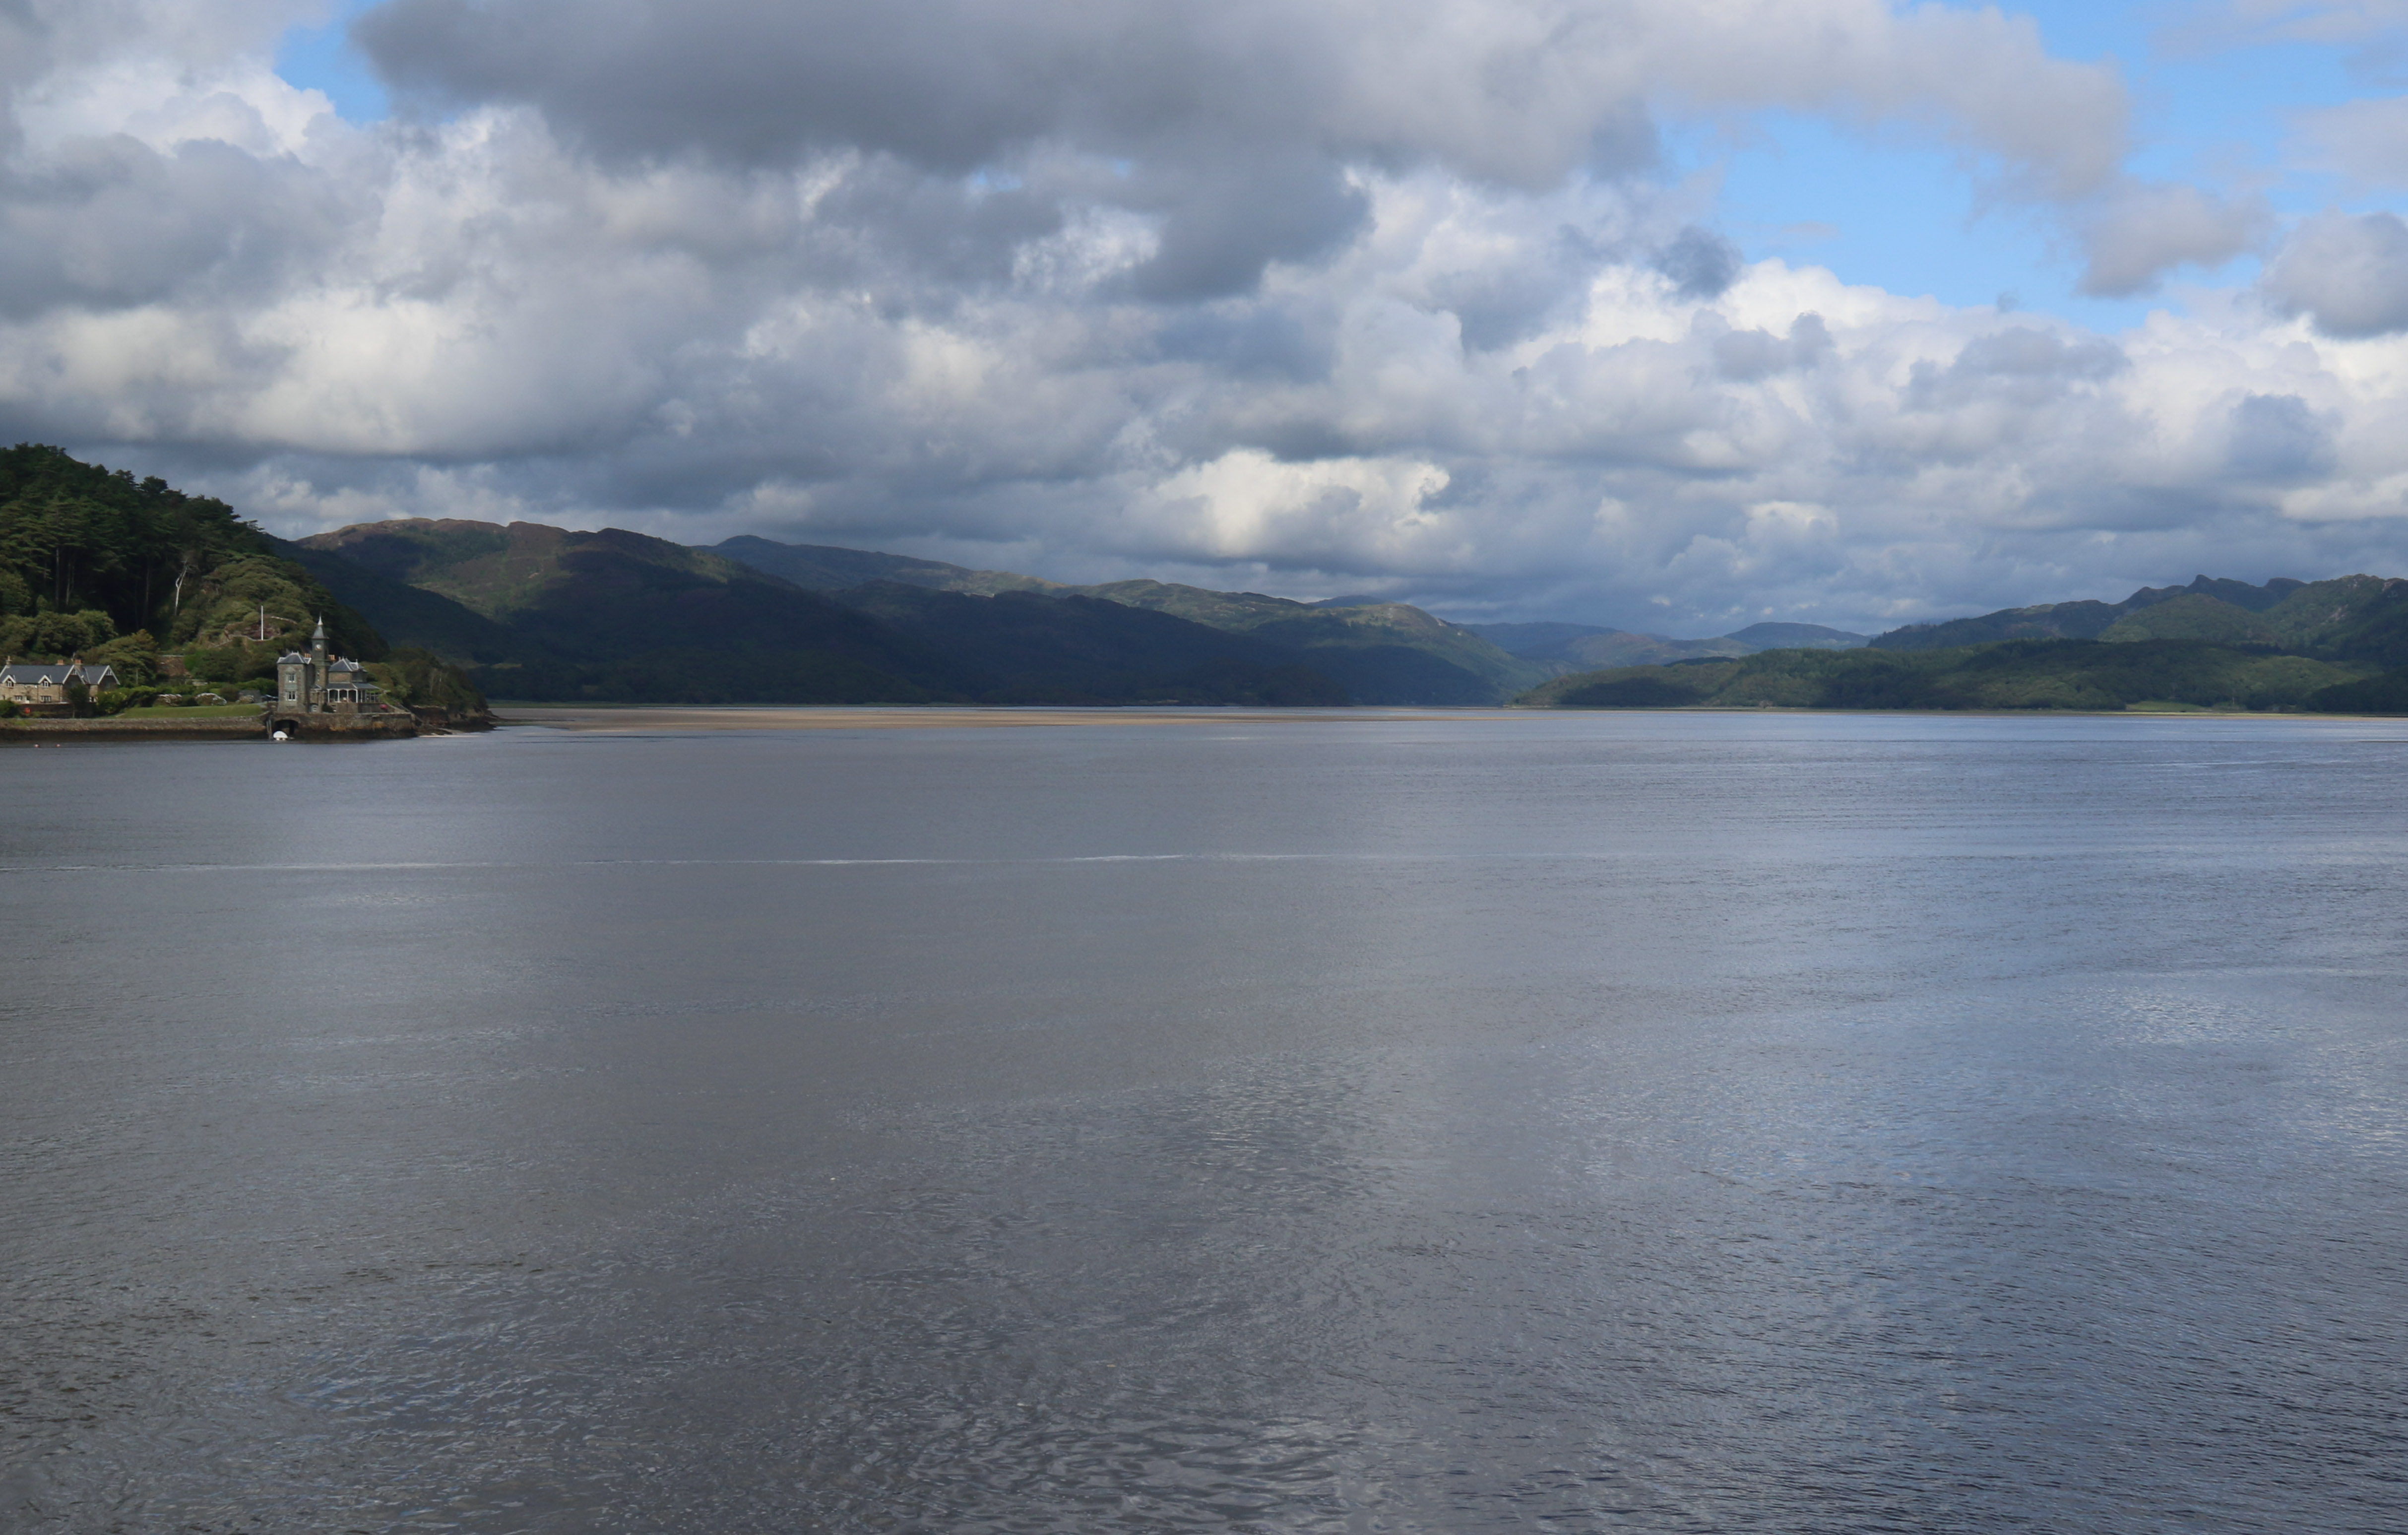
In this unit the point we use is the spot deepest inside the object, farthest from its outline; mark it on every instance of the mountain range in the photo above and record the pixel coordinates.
(2338, 645)
(1584, 647)
(2353, 618)
(543, 614)
(98, 563)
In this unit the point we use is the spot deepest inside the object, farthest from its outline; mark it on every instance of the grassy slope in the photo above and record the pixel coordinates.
(411, 615)
(2193, 616)
(189, 712)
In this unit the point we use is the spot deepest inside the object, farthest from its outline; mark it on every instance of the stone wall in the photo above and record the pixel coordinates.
(224, 727)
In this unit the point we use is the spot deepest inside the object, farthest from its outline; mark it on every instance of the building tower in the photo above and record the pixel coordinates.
(318, 667)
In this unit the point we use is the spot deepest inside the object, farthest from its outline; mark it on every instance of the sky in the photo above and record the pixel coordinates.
(1673, 315)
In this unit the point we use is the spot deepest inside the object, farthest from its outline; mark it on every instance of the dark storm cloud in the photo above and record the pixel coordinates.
(1227, 223)
(958, 84)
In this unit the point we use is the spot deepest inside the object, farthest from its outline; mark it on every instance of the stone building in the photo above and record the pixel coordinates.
(38, 683)
(310, 688)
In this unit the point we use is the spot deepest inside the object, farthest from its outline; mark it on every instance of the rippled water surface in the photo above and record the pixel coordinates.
(1656, 1123)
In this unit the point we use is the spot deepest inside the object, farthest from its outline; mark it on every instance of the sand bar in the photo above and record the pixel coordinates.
(905, 717)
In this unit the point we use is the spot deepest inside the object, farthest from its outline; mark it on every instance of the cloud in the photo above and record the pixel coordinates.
(2278, 438)
(1310, 297)
(2365, 140)
(1746, 357)
(2139, 230)
(1234, 126)
(2299, 20)
(1514, 91)
(1701, 262)
(2347, 273)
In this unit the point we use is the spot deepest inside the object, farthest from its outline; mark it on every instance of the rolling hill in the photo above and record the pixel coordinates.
(1564, 647)
(543, 614)
(2018, 674)
(548, 615)
(2304, 615)
(1381, 652)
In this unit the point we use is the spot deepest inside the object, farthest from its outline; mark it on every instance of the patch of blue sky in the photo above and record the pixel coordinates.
(1889, 211)
(321, 58)
(1905, 211)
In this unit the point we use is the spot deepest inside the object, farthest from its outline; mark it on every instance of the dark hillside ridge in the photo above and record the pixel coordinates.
(1794, 637)
(2023, 674)
(2387, 694)
(1381, 652)
(548, 615)
(1535, 639)
(1563, 647)
(432, 621)
(1027, 647)
(2084, 620)
(2357, 620)
(1384, 652)
(2282, 645)
(824, 567)
(621, 616)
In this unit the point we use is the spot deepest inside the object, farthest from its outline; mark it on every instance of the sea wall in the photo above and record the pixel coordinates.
(223, 727)
(244, 727)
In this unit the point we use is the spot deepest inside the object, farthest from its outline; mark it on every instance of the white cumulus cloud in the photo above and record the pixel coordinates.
(1311, 297)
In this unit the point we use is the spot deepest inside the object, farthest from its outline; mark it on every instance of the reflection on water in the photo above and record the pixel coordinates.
(1663, 1123)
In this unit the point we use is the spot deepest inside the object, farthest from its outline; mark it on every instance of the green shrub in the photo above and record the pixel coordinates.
(2384, 695)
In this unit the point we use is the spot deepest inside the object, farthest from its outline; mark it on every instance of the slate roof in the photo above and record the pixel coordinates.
(53, 673)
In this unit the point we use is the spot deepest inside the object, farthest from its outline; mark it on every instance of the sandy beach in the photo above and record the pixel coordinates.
(902, 717)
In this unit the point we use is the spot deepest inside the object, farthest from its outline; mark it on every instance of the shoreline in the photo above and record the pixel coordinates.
(714, 718)
(586, 718)
(638, 718)
(253, 727)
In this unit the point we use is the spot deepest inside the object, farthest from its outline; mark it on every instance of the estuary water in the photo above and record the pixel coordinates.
(1449, 1124)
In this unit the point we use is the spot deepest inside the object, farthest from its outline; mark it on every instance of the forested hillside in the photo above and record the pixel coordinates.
(544, 613)
(2083, 674)
(1566, 648)
(95, 563)
(1379, 652)
(2350, 618)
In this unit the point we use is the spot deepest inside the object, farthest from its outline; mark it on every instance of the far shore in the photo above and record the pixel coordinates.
(636, 717)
